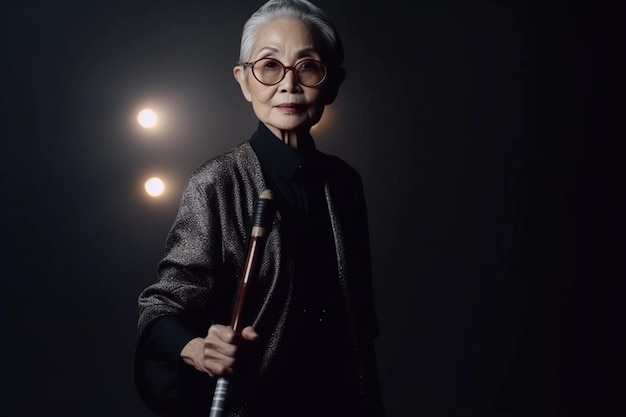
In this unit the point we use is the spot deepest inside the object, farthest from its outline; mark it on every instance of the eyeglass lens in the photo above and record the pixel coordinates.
(271, 71)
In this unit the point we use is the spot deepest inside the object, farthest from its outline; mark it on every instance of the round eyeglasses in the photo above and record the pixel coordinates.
(270, 71)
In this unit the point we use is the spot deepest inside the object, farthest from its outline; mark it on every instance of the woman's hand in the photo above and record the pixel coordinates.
(217, 353)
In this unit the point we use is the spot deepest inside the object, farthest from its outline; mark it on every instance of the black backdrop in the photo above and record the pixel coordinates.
(490, 137)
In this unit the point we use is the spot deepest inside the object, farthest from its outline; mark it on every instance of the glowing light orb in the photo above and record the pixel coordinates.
(154, 187)
(147, 118)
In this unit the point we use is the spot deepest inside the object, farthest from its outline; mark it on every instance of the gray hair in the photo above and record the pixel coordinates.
(331, 47)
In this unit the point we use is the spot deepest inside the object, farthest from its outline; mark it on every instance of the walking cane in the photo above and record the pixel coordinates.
(262, 217)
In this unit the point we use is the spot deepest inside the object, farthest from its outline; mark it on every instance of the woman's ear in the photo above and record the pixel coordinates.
(335, 78)
(240, 76)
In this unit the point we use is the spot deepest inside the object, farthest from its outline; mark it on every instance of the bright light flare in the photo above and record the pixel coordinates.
(147, 118)
(154, 187)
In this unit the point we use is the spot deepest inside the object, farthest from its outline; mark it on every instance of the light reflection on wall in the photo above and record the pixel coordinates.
(155, 187)
(147, 118)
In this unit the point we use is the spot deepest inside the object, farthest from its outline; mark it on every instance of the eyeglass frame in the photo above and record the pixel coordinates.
(285, 69)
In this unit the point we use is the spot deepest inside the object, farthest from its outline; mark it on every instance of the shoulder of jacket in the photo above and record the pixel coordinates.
(234, 160)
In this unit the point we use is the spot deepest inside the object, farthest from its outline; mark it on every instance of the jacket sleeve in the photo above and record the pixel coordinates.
(190, 294)
(192, 270)
(165, 383)
(352, 211)
(369, 320)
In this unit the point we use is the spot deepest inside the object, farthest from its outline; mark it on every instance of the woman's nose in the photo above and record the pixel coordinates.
(290, 83)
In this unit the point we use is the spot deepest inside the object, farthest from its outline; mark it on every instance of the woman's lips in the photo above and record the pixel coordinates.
(291, 108)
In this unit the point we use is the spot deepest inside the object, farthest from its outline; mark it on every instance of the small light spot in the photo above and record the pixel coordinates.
(147, 118)
(154, 187)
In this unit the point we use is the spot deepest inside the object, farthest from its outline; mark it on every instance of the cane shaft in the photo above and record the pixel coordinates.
(255, 252)
(219, 398)
(261, 220)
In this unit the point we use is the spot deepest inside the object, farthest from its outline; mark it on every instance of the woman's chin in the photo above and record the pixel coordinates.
(291, 125)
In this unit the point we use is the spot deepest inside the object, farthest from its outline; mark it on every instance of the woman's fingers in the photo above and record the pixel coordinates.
(249, 334)
(219, 365)
(221, 339)
(221, 348)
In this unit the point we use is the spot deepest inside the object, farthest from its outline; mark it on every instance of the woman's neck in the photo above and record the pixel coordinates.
(289, 137)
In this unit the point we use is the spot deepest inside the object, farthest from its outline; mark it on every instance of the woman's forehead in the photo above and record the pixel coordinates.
(285, 35)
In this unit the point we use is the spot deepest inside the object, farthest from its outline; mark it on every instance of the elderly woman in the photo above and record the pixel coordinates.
(308, 349)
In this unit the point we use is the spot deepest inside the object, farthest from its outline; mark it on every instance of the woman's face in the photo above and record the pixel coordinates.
(286, 106)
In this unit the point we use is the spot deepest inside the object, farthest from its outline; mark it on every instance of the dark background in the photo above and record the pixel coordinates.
(491, 141)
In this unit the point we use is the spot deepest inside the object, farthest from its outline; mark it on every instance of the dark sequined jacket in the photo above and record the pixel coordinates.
(205, 251)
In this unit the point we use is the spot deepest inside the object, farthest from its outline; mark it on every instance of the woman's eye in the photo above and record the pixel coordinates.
(308, 66)
(270, 65)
